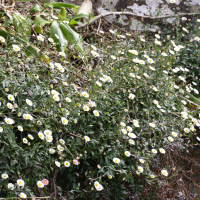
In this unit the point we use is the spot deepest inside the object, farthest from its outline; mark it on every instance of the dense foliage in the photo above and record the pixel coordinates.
(107, 123)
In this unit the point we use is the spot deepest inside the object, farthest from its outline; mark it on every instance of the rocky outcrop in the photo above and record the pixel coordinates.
(142, 7)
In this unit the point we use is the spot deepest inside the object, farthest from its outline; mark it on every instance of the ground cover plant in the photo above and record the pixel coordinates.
(110, 122)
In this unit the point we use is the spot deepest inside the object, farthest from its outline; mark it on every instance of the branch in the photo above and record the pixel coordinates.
(191, 102)
(75, 135)
(26, 198)
(132, 14)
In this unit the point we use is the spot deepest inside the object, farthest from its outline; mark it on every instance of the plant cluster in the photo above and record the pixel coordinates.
(110, 130)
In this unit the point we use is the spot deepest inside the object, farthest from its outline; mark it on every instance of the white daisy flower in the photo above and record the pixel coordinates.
(127, 153)
(16, 48)
(131, 96)
(20, 182)
(52, 151)
(40, 38)
(9, 121)
(141, 160)
(99, 83)
(2, 39)
(30, 136)
(9, 105)
(67, 164)
(4, 176)
(164, 172)
(131, 141)
(1, 129)
(41, 135)
(170, 139)
(86, 108)
(124, 131)
(187, 130)
(152, 125)
(56, 98)
(49, 138)
(87, 139)
(62, 141)
(11, 97)
(50, 40)
(132, 135)
(116, 160)
(40, 184)
(140, 169)
(57, 163)
(62, 54)
(10, 186)
(122, 124)
(162, 150)
(64, 120)
(174, 134)
(96, 112)
(85, 94)
(133, 52)
(25, 141)
(129, 128)
(60, 148)
(154, 151)
(29, 102)
(22, 195)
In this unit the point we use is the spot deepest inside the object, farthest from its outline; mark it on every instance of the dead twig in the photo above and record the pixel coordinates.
(132, 14)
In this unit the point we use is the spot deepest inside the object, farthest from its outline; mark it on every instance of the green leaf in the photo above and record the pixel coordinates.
(30, 51)
(35, 8)
(193, 99)
(73, 22)
(39, 23)
(79, 16)
(62, 14)
(62, 41)
(22, 26)
(65, 5)
(72, 36)
(11, 137)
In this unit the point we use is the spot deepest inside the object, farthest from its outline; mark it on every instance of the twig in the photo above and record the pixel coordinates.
(69, 151)
(75, 135)
(132, 14)
(26, 198)
(188, 100)
(99, 25)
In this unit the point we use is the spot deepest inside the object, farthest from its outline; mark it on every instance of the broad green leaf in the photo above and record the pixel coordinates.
(47, 5)
(79, 16)
(62, 14)
(22, 26)
(3, 33)
(74, 22)
(11, 137)
(72, 36)
(65, 5)
(35, 8)
(31, 51)
(39, 23)
(61, 40)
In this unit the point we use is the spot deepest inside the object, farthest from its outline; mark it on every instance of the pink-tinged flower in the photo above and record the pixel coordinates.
(75, 162)
(45, 182)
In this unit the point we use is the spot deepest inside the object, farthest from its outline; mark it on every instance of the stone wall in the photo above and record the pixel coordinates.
(142, 7)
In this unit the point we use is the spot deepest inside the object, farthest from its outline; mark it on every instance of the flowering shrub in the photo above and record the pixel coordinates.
(71, 129)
